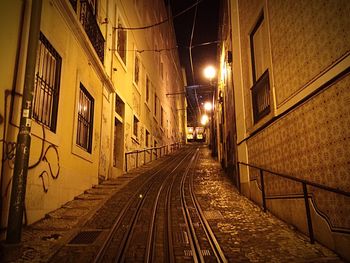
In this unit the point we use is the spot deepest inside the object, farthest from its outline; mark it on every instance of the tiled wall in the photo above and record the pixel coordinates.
(312, 142)
(306, 38)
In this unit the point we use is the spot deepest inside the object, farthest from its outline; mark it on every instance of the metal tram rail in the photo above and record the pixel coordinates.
(195, 236)
(136, 203)
(152, 209)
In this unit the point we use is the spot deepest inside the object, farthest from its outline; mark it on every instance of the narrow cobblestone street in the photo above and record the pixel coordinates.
(244, 231)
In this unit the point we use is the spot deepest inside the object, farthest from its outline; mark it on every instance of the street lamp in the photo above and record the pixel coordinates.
(208, 106)
(209, 72)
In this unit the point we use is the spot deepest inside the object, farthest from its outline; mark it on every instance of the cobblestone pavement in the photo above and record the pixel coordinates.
(244, 231)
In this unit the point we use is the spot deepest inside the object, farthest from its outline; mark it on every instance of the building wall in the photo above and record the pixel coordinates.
(305, 135)
(59, 170)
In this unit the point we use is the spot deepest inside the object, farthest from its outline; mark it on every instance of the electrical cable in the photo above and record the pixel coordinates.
(161, 22)
(191, 59)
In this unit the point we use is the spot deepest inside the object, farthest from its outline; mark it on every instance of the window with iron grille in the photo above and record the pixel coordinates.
(121, 41)
(260, 57)
(85, 119)
(47, 83)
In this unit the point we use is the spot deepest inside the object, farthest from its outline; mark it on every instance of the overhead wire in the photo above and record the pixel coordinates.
(190, 53)
(160, 22)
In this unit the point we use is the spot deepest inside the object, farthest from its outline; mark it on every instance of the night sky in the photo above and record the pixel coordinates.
(205, 31)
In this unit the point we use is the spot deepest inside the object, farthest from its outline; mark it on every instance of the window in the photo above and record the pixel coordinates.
(85, 119)
(136, 124)
(148, 137)
(47, 83)
(161, 69)
(119, 106)
(88, 18)
(155, 104)
(161, 116)
(147, 89)
(121, 41)
(137, 70)
(260, 74)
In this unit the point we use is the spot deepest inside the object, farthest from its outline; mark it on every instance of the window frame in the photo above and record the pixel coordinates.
(89, 119)
(135, 130)
(121, 34)
(260, 90)
(137, 70)
(147, 89)
(155, 105)
(147, 138)
(51, 85)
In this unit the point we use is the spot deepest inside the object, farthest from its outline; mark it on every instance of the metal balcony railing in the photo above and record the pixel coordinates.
(307, 191)
(88, 20)
(147, 155)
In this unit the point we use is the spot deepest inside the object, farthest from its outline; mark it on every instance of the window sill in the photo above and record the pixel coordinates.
(82, 153)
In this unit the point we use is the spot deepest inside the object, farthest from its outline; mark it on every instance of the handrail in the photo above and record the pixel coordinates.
(323, 187)
(173, 146)
(304, 183)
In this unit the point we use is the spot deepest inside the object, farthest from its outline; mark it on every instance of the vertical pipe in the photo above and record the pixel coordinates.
(308, 215)
(263, 189)
(19, 181)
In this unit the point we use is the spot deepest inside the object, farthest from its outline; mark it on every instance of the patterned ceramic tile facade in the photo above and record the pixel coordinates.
(306, 38)
(248, 16)
(312, 142)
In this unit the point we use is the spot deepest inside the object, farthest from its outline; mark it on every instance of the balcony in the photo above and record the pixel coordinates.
(87, 18)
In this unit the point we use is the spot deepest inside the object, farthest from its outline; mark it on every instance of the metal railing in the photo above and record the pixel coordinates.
(305, 194)
(152, 153)
(89, 22)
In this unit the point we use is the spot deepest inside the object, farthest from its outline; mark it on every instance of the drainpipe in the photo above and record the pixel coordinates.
(15, 219)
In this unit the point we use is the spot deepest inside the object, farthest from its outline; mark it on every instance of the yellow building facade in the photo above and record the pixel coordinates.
(286, 66)
(103, 72)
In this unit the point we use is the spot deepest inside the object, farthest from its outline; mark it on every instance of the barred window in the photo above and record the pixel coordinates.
(85, 119)
(121, 41)
(47, 83)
